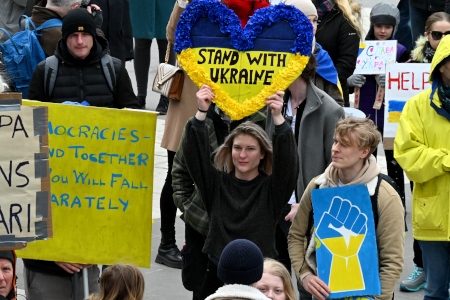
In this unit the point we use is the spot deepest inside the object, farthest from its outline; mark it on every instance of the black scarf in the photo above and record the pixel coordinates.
(444, 95)
(428, 53)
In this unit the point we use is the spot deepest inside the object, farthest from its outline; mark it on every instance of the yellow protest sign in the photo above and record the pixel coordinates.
(101, 173)
(243, 66)
(24, 202)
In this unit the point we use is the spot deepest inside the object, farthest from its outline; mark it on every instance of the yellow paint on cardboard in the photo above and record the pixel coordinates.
(101, 176)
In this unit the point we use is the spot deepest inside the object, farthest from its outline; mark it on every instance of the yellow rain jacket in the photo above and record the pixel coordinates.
(422, 148)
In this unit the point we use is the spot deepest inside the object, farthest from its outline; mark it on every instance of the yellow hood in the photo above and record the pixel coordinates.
(442, 51)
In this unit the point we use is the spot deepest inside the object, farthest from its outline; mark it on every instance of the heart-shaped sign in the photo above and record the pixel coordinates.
(243, 66)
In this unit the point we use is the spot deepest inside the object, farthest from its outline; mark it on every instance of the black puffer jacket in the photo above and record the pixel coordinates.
(79, 80)
(428, 5)
(341, 40)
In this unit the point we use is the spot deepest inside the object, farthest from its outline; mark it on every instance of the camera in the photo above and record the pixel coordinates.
(85, 3)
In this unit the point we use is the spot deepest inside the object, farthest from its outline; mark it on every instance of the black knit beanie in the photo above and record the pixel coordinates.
(241, 262)
(78, 20)
(7, 254)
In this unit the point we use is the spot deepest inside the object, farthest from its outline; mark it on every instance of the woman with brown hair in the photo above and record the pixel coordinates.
(121, 282)
(246, 191)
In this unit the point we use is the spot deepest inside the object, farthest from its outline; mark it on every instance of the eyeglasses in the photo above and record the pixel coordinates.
(437, 35)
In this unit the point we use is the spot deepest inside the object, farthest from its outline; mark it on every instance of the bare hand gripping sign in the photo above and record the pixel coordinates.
(24, 201)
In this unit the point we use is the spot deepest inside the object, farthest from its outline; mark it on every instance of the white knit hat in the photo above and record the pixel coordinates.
(305, 6)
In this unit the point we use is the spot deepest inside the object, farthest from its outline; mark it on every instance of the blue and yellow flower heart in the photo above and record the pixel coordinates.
(243, 66)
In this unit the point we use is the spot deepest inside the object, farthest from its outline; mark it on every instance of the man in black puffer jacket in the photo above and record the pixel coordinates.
(79, 77)
(80, 72)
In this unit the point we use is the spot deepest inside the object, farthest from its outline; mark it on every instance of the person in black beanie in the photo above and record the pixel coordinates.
(240, 267)
(81, 70)
(7, 275)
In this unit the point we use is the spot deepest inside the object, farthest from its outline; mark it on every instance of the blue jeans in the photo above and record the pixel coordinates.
(436, 264)
(418, 18)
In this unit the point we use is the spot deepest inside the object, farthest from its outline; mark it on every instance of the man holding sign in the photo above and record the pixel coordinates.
(352, 164)
(79, 77)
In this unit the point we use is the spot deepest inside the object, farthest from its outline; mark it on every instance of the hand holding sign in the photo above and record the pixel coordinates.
(342, 231)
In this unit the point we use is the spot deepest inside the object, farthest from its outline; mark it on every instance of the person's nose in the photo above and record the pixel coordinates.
(334, 148)
(79, 39)
(242, 154)
(2, 276)
(269, 294)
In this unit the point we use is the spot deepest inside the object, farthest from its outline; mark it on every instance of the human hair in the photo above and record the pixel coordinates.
(121, 282)
(63, 4)
(223, 160)
(361, 131)
(276, 268)
(310, 69)
(352, 12)
(436, 17)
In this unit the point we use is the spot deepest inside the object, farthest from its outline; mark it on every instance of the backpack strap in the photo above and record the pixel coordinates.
(50, 23)
(374, 201)
(51, 70)
(109, 71)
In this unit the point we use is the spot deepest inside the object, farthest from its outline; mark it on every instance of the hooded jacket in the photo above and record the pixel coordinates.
(422, 148)
(418, 55)
(237, 292)
(389, 232)
(388, 14)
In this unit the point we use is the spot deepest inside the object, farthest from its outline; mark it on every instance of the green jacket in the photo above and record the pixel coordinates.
(149, 18)
(422, 148)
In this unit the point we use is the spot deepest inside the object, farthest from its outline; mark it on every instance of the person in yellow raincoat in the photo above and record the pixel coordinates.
(422, 148)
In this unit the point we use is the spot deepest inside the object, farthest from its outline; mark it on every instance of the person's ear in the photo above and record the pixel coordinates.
(365, 153)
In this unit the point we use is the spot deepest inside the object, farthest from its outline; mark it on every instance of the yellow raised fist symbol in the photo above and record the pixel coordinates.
(342, 230)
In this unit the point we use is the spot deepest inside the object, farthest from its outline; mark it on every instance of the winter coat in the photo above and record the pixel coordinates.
(179, 111)
(315, 135)
(428, 5)
(10, 12)
(117, 27)
(149, 18)
(91, 85)
(368, 91)
(418, 54)
(389, 232)
(422, 149)
(237, 292)
(340, 39)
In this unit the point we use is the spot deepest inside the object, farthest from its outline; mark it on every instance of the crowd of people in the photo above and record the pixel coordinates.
(245, 187)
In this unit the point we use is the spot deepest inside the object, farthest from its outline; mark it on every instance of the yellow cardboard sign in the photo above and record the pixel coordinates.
(101, 174)
(241, 74)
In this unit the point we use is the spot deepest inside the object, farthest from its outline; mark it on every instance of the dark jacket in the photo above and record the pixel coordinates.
(428, 5)
(91, 85)
(340, 39)
(117, 27)
(50, 36)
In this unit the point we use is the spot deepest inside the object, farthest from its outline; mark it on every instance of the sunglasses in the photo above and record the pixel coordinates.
(437, 35)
